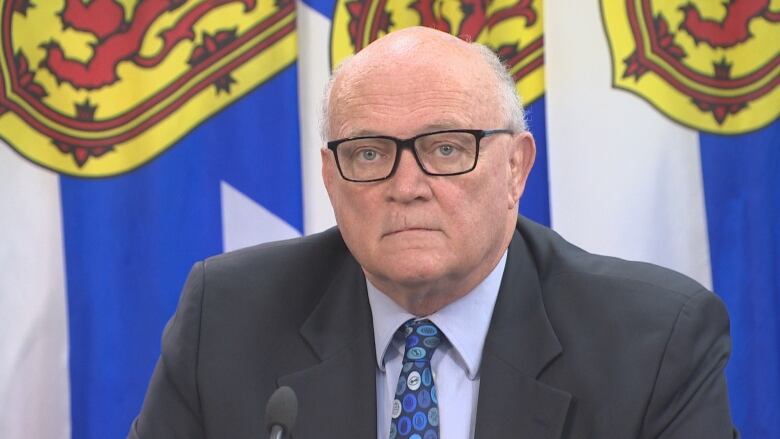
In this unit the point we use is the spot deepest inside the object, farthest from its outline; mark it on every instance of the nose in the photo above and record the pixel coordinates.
(409, 183)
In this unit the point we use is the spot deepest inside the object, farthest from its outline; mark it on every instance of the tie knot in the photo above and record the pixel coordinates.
(422, 338)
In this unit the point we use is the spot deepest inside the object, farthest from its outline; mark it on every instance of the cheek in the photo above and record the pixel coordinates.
(487, 193)
(357, 218)
(481, 209)
(347, 209)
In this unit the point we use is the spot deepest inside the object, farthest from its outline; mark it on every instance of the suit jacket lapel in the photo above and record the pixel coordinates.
(519, 345)
(337, 397)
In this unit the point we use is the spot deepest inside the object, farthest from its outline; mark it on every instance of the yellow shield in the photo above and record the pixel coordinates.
(99, 88)
(712, 66)
(512, 28)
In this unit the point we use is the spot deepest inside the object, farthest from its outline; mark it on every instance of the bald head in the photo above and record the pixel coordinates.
(408, 58)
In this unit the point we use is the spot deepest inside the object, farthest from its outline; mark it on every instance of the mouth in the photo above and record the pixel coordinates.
(409, 229)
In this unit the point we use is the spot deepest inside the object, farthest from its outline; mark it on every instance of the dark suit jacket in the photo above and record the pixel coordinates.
(579, 346)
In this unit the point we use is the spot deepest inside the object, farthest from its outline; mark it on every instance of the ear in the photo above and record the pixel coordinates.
(522, 153)
(328, 169)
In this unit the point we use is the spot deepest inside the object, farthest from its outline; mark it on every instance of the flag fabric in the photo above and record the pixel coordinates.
(33, 318)
(155, 136)
(162, 134)
(664, 145)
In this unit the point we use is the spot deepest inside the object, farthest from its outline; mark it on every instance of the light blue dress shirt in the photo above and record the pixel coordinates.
(455, 363)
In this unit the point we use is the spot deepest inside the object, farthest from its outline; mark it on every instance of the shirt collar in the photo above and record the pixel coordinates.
(464, 322)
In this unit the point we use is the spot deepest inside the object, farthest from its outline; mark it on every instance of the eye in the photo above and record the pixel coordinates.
(445, 150)
(368, 155)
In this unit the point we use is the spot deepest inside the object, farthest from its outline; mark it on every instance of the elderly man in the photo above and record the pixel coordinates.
(432, 310)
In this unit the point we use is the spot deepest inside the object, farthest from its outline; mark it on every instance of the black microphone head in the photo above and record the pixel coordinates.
(282, 409)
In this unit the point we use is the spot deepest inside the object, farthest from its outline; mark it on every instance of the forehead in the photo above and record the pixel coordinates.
(407, 94)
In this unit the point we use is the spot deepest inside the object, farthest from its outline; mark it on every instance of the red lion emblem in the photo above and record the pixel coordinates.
(120, 40)
(734, 27)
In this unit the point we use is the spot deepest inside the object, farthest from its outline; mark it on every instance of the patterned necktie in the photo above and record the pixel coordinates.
(415, 407)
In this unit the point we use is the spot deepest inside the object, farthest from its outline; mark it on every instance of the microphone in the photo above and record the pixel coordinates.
(280, 413)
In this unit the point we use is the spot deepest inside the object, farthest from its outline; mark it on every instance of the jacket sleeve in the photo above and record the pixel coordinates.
(690, 398)
(171, 408)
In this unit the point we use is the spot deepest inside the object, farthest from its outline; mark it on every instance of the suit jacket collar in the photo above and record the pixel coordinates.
(520, 344)
(337, 397)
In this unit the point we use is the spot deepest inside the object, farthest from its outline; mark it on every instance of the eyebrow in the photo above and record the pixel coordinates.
(425, 129)
(443, 126)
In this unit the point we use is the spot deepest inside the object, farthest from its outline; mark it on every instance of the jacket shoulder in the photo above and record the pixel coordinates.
(640, 341)
(281, 256)
(561, 261)
(280, 280)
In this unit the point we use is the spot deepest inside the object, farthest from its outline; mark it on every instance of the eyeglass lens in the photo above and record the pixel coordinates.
(373, 158)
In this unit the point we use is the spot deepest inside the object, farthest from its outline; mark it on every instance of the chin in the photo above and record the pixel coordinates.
(413, 274)
(422, 250)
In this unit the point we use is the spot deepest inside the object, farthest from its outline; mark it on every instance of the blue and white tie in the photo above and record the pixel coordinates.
(415, 411)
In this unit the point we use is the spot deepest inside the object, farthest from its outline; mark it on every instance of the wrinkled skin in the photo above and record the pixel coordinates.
(425, 241)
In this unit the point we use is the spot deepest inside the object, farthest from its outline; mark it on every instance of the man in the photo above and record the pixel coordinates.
(433, 311)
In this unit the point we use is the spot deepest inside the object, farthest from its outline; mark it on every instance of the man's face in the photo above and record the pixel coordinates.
(415, 231)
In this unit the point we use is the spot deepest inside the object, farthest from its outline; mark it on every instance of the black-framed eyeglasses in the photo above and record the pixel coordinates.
(373, 158)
